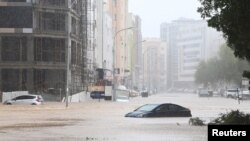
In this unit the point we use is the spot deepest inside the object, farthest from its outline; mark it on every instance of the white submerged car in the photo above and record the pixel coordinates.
(25, 99)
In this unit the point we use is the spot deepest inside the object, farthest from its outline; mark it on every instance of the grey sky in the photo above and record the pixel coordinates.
(155, 12)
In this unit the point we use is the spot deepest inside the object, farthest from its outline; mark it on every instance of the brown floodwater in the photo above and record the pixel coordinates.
(104, 121)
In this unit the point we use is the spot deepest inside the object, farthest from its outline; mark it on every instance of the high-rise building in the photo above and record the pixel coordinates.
(154, 53)
(189, 43)
(119, 12)
(138, 54)
(134, 43)
(89, 60)
(43, 45)
(104, 43)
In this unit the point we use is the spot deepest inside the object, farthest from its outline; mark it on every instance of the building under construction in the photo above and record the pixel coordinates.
(43, 45)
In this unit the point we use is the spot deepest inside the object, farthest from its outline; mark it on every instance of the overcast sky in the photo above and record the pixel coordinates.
(155, 12)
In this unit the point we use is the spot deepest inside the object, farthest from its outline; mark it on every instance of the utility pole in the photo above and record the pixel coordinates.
(114, 49)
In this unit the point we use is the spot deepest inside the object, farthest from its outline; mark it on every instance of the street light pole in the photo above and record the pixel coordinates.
(114, 49)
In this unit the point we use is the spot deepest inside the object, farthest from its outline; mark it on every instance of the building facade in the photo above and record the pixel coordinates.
(138, 54)
(119, 12)
(189, 43)
(154, 65)
(43, 45)
(134, 43)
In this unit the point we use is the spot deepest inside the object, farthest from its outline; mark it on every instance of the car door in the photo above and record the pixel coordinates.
(18, 100)
(28, 100)
(174, 110)
(162, 111)
(178, 111)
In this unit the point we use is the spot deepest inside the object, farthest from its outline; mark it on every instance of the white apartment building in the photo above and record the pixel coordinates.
(104, 41)
(189, 42)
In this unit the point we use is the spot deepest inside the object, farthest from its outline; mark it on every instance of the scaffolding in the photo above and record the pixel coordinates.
(91, 43)
(37, 62)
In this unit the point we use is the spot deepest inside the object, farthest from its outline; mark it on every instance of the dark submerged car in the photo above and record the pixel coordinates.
(97, 95)
(160, 110)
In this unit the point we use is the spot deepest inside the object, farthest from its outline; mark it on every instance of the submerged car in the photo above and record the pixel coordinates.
(160, 110)
(205, 93)
(245, 94)
(25, 99)
(122, 98)
(97, 95)
(233, 93)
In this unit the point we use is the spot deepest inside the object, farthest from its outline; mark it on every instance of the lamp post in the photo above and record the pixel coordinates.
(114, 49)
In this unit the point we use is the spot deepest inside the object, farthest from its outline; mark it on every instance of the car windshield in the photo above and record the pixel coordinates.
(148, 107)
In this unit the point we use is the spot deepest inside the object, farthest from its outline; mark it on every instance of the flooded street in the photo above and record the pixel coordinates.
(105, 121)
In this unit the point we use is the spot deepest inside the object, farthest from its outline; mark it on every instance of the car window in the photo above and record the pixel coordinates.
(174, 107)
(163, 108)
(20, 97)
(148, 107)
(24, 97)
(30, 97)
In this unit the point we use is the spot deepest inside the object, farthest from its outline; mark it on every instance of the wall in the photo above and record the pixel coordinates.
(10, 95)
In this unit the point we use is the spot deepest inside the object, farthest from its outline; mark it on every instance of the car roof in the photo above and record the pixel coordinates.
(28, 95)
(163, 104)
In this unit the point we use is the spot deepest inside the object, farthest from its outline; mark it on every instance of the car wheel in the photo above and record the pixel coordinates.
(33, 104)
(8, 104)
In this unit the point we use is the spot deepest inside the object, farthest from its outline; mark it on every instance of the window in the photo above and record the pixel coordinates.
(29, 97)
(148, 107)
(52, 2)
(13, 0)
(14, 48)
(49, 50)
(16, 17)
(162, 108)
(174, 108)
(20, 97)
(51, 21)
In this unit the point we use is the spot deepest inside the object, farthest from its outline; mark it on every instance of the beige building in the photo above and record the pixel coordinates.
(119, 11)
(154, 65)
(134, 43)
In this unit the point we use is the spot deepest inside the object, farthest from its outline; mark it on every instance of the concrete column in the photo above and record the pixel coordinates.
(20, 72)
(0, 49)
(0, 66)
(30, 49)
(1, 80)
(68, 58)
(30, 80)
(30, 59)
